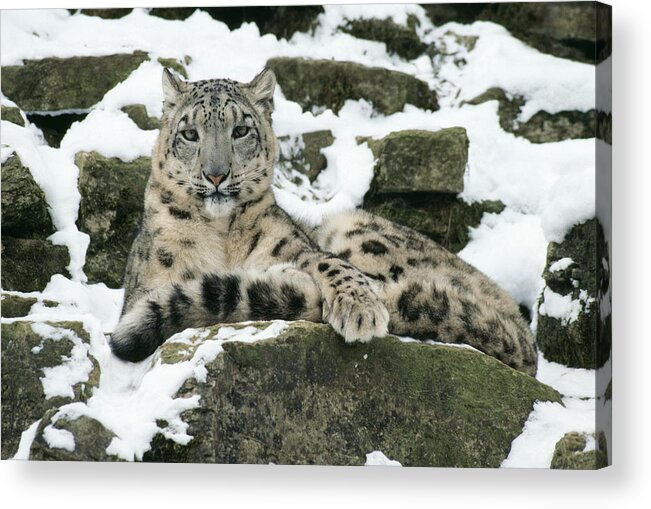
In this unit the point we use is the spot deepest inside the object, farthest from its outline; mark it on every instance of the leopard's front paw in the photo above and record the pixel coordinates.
(358, 315)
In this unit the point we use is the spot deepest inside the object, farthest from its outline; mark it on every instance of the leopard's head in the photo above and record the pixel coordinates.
(216, 142)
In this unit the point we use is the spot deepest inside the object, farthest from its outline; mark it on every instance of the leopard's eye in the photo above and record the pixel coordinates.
(190, 134)
(240, 131)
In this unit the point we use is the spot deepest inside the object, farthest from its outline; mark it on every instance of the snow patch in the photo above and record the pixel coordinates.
(378, 459)
(59, 438)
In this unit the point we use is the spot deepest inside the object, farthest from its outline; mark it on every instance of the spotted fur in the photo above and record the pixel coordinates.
(215, 247)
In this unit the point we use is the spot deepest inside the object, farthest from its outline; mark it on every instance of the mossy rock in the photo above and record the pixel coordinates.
(174, 64)
(12, 114)
(24, 208)
(138, 113)
(419, 161)
(443, 218)
(308, 159)
(14, 305)
(576, 344)
(306, 397)
(28, 264)
(112, 201)
(330, 83)
(104, 13)
(282, 21)
(440, 14)
(53, 84)
(399, 40)
(542, 127)
(90, 436)
(563, 29)
(569, 453)
(24, 356)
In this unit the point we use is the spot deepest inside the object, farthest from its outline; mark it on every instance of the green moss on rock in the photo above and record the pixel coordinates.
(28, 264)
(329, 83)
(441, 217)
(12, 114)
(400, 40)
(112, 200)
(138, 113)
(24, 355)
(569, 453)
(543, 127)
(173, 63)
(53, 84)
(306, 397)
(24, 208)
(14, 305)
(420, 161)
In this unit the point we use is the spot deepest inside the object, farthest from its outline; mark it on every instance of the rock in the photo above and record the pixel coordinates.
(14, 305)
(24, 208)
(329, 83)
(282, 21)
(303, 153)
(138, 113)
(54, 84)
(306, 397)
(440, 14)
(112, 201)
(416, 161)
(569, 452)
(543, 127)
(91, 439)
(563, 29)
(28, 264)
(172, 63)
(400, 40)
(12, 114)
(574, 341)
(25, 355)
(444, 218)
(104, 13)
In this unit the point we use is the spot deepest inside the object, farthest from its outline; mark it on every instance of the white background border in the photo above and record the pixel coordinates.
(627, 482)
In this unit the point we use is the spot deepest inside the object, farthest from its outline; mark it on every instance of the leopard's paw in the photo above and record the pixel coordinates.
(358, 315)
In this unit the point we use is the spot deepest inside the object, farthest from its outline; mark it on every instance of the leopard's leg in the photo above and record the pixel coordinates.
(429, 292)
(281, 292)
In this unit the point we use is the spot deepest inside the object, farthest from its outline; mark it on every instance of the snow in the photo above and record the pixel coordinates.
(60, 380)
(564, 307)
(561, 265)
(546, 188)
(26, 440)
(378, 459)
(59, 438)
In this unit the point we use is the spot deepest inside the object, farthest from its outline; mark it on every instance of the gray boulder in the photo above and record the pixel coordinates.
(329, 83)
(53, 84)
(399, 40)
(28, 264)
(12, 114)
(306, 397)
(112, 201)
(542, 127)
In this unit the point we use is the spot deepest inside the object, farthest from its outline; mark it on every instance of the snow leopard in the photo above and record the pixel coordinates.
(214, 246)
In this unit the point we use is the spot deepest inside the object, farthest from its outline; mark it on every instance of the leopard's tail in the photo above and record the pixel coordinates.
(214, 298)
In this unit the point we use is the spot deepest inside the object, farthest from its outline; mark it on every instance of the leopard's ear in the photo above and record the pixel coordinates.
(262, 87)
(173, 87)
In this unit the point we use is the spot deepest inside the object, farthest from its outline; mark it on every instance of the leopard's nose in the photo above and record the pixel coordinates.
(215, 179)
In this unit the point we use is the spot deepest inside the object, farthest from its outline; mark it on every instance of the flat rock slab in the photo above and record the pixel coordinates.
(53, 84)
(416, 161)
(329, 83)
(306, 397)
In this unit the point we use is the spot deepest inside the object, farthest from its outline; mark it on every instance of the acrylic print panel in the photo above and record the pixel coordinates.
(416, 273)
